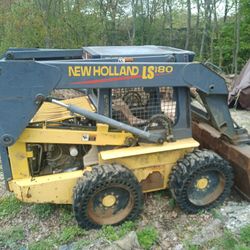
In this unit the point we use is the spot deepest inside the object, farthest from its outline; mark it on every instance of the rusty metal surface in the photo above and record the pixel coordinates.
(153, 181)
(238, 156)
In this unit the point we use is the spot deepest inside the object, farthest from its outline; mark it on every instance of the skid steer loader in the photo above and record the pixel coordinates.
(127, 130)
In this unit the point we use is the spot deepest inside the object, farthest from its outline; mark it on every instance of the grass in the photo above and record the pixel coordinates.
(115, 233)
(43, 211)
(66, 215)
(245, 235)
(159, 195)
(34, 228)
(228, 241)
(191, 247)
(172, 203)
(232, 241)
(147, 237)
(216, 214)
(69, 234)
(11, 237)
(9, 206)
(45, 244)
(80, 244)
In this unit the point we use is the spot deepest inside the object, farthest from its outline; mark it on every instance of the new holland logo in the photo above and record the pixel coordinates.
(144, 72)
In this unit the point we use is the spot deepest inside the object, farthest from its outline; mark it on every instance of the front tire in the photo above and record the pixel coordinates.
(107, 195)
(202, 180)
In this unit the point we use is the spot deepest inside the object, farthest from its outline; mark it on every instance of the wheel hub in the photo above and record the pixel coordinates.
(206, 188)
(202, 183)
(109, 200)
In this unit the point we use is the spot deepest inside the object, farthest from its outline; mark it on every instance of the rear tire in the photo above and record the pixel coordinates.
(107, 195)
(202, 180)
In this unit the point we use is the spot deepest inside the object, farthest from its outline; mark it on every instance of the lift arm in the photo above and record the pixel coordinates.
(25, 84)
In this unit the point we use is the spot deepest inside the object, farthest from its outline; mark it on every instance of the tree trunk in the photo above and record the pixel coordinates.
(170, 22)
(188, 24)
(215, 29)
(142, 22)
(164, 19)
(134, 6)
(226, 11)
(207, 21)
(204, 32)
(236, 36)
(197, 26)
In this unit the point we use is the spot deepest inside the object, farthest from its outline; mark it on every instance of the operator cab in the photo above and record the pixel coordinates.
(151, 108)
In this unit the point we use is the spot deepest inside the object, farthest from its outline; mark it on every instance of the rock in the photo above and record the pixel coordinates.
(99, 244)
(163, 234)
(165, 244)
(236, 215)
(142, 223)
(172, 236)
(212, 231)
(129, 242)
(179, 247)
(183, 218)
(66, 247)
(174, 214)
(213, 248)
(168, 239)
(157, 224)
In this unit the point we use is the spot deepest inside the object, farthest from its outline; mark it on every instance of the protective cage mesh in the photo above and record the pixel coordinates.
(135, 106)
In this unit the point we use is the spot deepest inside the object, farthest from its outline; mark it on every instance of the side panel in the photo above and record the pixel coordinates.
(19, 160)
(57, 188)
(101, 137)
(150, 164)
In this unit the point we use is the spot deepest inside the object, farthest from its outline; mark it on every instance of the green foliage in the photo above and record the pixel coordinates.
(216, 214)
(228, 241)
(234, 241)
(9, 206)
(147, 237)
(172, 203)
(125, 228)
(114, 233)
(110, 233)
(34, 228)
(80, 243)
(45, 244)
(192, 247)
(245, 235)
(66, 215)
(11, 237)
(69, 234)
(43, 211)
(159, 195)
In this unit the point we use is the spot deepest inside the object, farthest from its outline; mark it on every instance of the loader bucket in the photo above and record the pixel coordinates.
(237, 155)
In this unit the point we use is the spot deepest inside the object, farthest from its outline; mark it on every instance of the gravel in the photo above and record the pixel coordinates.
(236, 215)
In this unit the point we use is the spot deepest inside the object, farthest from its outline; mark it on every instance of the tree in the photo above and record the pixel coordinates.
(188, 24)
